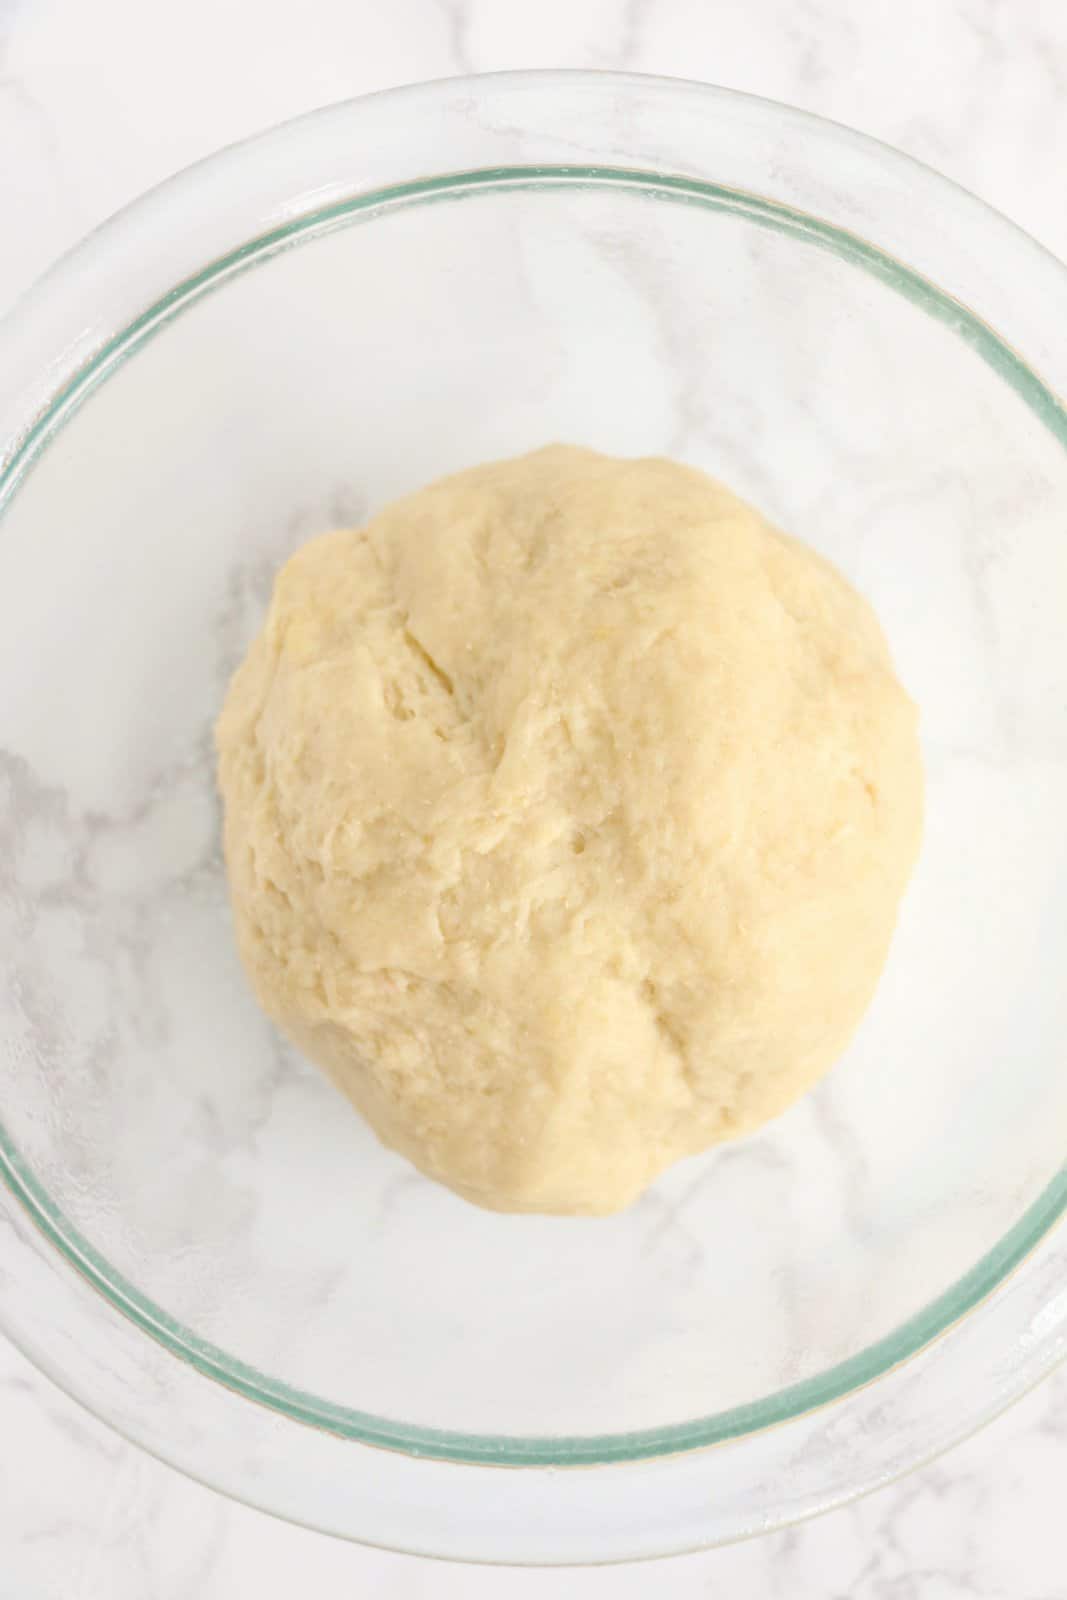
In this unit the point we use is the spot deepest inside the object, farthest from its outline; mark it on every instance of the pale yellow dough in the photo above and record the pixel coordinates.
(568, 807)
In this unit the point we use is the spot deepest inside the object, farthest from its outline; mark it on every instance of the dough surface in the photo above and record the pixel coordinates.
(568, 806)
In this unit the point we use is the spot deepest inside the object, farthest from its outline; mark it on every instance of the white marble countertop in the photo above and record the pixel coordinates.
(99, 101)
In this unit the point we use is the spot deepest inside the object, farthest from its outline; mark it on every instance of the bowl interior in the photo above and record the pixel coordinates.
(152, 1116)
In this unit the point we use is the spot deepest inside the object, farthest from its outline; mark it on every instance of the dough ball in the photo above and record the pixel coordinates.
(568, 806)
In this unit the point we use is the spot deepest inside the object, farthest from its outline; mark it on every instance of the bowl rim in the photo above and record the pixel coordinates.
(88, 367)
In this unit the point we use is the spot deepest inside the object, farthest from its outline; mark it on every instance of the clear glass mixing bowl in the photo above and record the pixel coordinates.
(279, 341)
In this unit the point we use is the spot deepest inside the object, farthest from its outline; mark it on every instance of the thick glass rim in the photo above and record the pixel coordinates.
(784, 1405)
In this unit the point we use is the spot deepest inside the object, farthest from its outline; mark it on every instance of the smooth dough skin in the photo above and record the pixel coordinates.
(568, 807)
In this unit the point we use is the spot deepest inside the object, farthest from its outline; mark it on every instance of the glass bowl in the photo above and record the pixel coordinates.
(198, 1239)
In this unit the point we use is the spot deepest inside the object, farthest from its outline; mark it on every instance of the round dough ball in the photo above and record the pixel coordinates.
(568, 806)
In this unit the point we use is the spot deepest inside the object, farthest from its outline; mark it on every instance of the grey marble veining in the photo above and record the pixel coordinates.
(92, 111)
